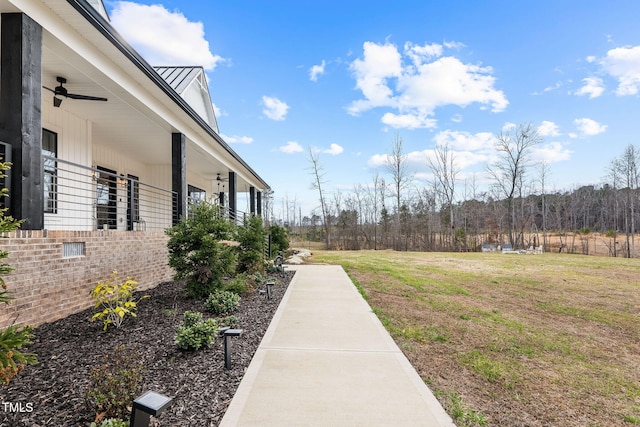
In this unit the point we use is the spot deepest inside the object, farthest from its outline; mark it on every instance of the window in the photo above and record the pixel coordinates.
(106, 195)
(196, 195)
(50, 154)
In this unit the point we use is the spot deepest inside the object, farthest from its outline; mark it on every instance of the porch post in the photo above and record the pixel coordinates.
(21, 116)
(259, 203)
(252, 200)
(221, 199)
(179, 174)
(232, 195)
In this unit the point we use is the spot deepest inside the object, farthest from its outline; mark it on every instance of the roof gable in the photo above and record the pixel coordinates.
(99, 6)
(190, 83)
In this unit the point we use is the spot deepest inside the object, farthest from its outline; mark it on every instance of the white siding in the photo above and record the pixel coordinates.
(75, 187)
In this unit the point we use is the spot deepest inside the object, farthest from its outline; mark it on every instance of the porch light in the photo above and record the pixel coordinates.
(150, 403)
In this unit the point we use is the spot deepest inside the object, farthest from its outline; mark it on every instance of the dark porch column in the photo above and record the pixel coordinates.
(233, 206)
(221, 199)
(21, 116)
(252, 200)
(179, 174)
(259, 203)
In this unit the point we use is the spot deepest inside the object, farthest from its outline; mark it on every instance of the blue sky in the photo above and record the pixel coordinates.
(343, 78)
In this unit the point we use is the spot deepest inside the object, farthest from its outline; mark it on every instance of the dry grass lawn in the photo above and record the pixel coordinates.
(512, 340)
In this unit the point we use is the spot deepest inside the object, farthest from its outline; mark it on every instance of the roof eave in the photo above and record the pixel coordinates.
(95, 19)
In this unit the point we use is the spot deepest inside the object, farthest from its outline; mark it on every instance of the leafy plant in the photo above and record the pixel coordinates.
(230, 321)
(12, 338)
(279, 239)
(251, 249)
(115, 383)
(222, 302)
(12, 361)
(114, 299)
(242, 284)
(197, 253)
(111, 422)
(196, 333)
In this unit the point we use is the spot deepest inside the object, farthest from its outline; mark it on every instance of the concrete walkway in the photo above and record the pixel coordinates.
(326, 360)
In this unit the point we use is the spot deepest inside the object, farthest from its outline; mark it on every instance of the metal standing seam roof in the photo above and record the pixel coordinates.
(179, 77)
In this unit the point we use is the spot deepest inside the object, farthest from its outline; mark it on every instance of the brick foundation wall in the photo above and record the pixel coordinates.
(47, 286)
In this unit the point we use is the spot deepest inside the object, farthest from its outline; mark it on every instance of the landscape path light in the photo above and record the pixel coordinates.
(148, 404)
(227, 345)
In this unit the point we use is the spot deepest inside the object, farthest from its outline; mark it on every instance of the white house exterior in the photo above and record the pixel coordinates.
(117, 171)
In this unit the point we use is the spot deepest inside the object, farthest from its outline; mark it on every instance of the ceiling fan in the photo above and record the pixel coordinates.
(221, 180)
(60, 90)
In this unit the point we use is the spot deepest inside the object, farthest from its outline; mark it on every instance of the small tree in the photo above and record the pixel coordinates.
(251, 250)
(513, 146)
(279, 239)
(197, 250)
(12, 338)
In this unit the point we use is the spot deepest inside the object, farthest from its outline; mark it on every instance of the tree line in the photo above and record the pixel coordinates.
(516, 209)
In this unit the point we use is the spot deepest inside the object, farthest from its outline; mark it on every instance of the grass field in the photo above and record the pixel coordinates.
(512, 340)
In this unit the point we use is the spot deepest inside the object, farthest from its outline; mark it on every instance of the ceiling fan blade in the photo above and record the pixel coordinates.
(85, 97)
(49, 89)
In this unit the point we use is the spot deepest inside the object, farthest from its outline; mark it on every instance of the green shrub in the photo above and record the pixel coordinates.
(111, 422)
(12, 361)
(12, 338)
(196, 333)
(197, 252)
(115, 383)
(230, 321)
(222, 302)
(114, 299)
(251, 237)
(279, 239)
(238, 285)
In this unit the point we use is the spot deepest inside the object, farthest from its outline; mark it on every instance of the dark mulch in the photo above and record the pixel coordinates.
(200, 385)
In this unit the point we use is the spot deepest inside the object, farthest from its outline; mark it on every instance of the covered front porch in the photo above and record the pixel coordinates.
(124, 150)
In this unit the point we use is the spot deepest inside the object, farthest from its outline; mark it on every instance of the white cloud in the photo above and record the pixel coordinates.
(418, 81)
(590, 59)
(550, 153)
(420, 159)
(465, 141)
(291, 147)
(380, 62)
(623, 63)
(408, 121)
(316, 70)
(593, 86)
(378, 160)
(334, 150)
(274, 108)
(163, 37)
(588, 127)
(237, 139)
(547, 128)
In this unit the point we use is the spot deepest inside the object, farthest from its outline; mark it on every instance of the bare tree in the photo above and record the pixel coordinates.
(397, 166)
(267, 198)
(318, 182)
(445, 173)
(627, 165)
(508, 171)
(544, 173)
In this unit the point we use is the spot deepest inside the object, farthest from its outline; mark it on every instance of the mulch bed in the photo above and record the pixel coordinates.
(200, 385)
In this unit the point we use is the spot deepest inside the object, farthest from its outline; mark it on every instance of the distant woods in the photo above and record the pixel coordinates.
(394, 211)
